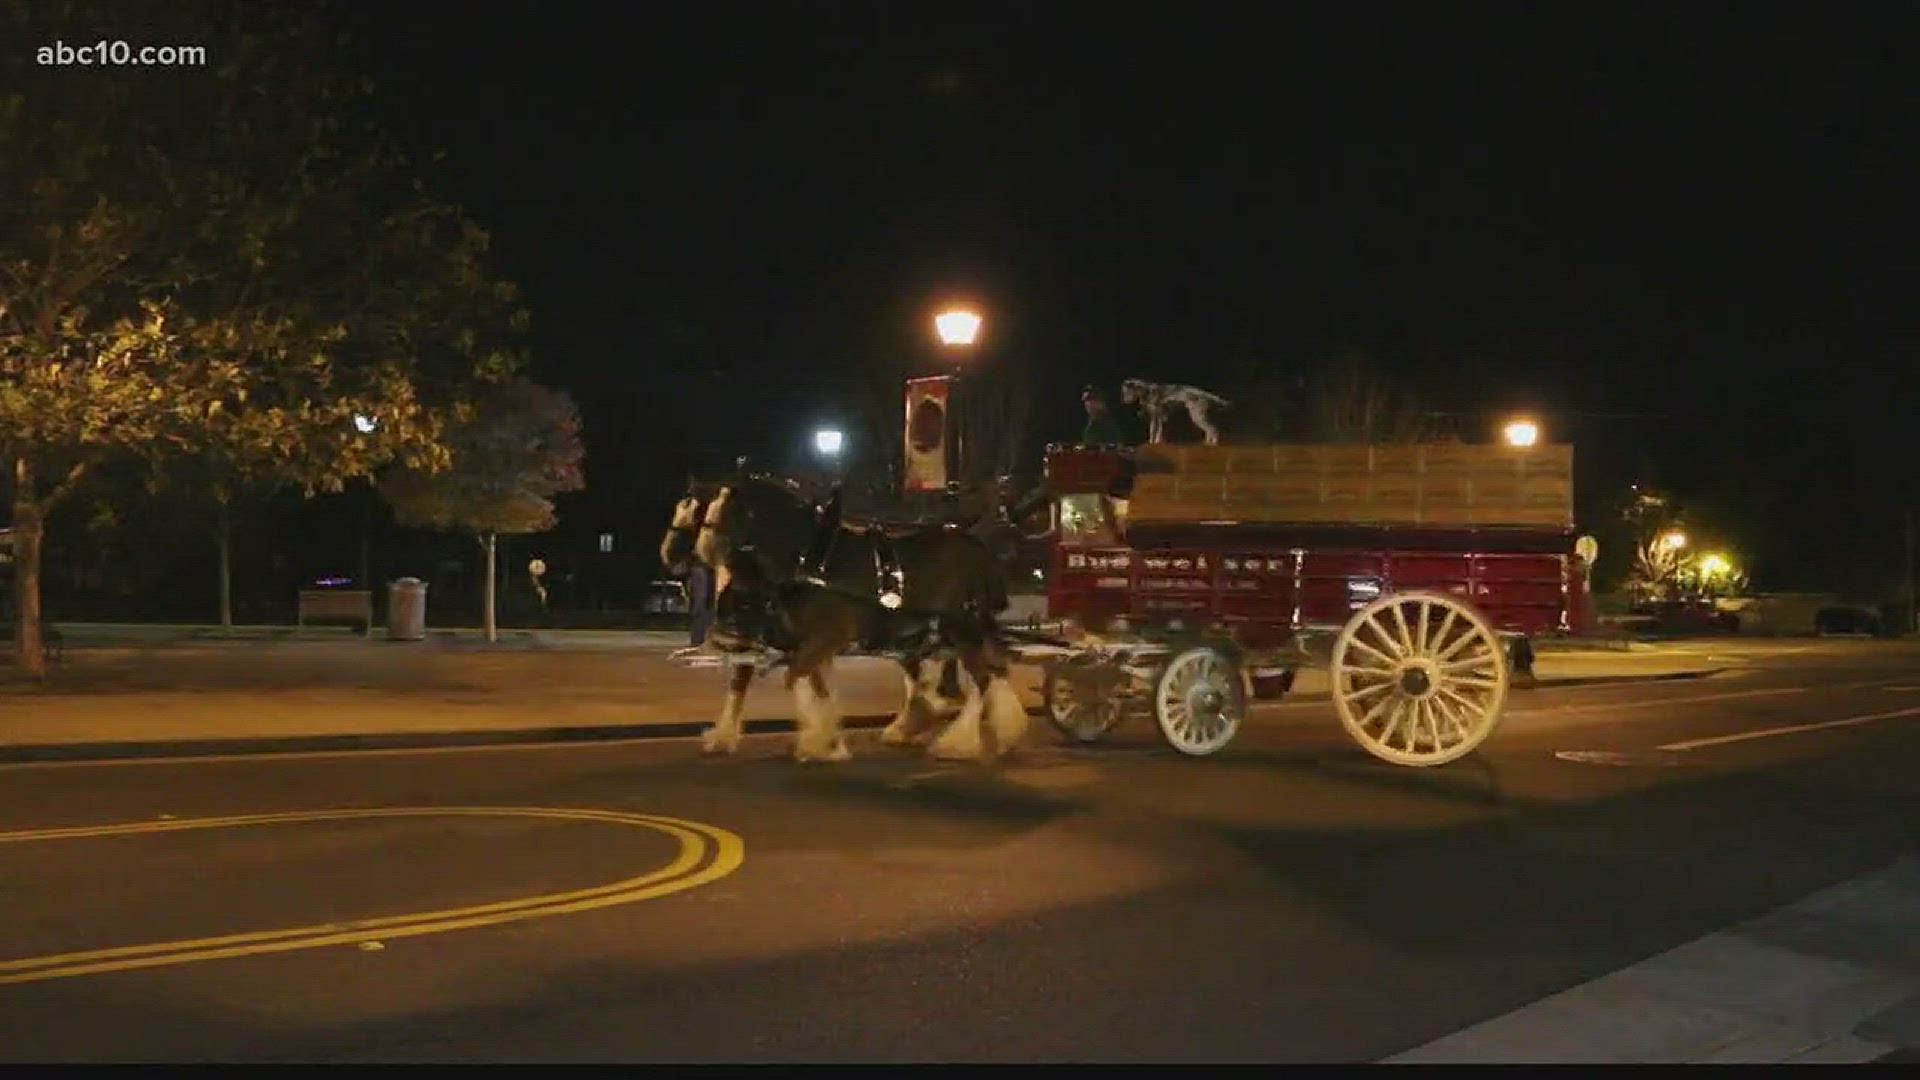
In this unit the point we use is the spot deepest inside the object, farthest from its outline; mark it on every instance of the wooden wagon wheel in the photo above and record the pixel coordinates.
(1200, 699)
(1419, 678)
(1082, 698)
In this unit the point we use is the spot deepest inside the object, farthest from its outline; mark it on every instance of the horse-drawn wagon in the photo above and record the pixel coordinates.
(1191, 580)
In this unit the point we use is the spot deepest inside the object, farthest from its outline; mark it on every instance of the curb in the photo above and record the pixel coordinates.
(424, 740)
(1596, 680)
(1569, 680)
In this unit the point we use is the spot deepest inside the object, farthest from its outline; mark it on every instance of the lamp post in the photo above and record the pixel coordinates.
(958, 328)
(1674, 540)
(829, 443)
(1521, 432)
(366, 425)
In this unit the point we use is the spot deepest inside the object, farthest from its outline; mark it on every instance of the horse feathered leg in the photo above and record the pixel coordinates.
(917, 712)
(817, 716)
(961, 740)
(724, 736)
(1005, 714)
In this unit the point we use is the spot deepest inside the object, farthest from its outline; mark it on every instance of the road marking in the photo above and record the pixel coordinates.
(390, 751)
(1644, 703)
(706, 854)
(874, 721)
(1791, 729)
(1636, 703)
(1618, 757)
(1783, 988)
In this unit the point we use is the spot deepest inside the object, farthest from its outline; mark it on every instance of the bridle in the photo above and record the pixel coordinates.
(699, 518)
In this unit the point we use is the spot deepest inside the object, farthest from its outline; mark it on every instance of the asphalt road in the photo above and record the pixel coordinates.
(1289, 900)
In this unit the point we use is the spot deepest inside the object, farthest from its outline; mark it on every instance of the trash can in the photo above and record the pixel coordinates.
(407, 610)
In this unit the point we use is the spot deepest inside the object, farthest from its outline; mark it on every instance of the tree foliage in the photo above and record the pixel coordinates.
(217, 273)
(1350, 400)
(518, 448)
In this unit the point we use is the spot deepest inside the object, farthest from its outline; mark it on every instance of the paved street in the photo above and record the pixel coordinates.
(1287, 900)
(121, 696)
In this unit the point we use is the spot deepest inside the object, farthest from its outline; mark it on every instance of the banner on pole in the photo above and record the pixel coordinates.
(929, 403)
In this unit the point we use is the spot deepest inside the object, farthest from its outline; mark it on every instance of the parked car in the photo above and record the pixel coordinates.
(1689, 616)
(664, 597)
(1846, 620)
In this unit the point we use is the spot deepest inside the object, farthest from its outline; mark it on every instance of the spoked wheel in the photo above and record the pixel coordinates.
(1419, 678)
(1200, 700)
(1082, 697)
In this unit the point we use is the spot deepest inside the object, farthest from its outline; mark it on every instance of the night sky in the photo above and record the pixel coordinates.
(1679, 232)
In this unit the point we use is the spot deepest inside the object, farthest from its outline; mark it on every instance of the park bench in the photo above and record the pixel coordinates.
(336, 605)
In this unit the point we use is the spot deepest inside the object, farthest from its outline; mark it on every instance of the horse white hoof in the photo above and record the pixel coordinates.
(956, 749)
(714, 741)
(902, 733)
(839, 752)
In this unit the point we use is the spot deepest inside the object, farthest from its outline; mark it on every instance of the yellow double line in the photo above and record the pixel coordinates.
(706, 854)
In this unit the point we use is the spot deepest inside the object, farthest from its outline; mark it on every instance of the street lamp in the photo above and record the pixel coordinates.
(828, 441)
(957, 326)
(1674, 540)
(1521, 433)
(366, 425)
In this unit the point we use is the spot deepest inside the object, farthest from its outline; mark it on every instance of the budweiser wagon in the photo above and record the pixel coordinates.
(1191, 580)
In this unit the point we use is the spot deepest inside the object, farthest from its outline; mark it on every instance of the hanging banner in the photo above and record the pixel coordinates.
(928, 402)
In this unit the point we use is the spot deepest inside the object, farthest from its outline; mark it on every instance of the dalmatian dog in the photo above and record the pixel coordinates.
(1159, 399)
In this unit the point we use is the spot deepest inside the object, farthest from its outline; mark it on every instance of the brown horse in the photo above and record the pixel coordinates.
(794, 578)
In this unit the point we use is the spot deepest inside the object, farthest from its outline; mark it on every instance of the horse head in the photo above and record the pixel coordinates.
(757, 517)
(678, 545)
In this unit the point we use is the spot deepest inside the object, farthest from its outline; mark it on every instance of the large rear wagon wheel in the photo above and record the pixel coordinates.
(1419, 678)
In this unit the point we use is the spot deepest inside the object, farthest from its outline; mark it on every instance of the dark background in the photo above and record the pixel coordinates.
(1678, 233)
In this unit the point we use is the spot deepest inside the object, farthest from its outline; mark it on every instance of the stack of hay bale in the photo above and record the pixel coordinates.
(1438, 485)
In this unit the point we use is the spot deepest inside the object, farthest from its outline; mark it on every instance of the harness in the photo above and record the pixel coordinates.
(759, 613)
(889, 578)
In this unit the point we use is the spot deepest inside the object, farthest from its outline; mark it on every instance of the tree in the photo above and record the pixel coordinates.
(218, 274)
(519, 447)
(1646, 515)
(1656, 569)
(74, 391)
(1352, 401)
(994, 424)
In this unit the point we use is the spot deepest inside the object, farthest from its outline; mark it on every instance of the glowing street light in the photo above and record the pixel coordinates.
(1521, 433)
(957, 326)
(364, 424)
(1714, 565)
(1674, 540)
(829, 441)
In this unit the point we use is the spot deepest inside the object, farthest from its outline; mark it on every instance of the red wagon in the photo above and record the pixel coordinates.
(1191, 580)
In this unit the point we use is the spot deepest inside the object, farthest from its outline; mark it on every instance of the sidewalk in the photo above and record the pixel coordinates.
(134, 635)
(180, 695)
